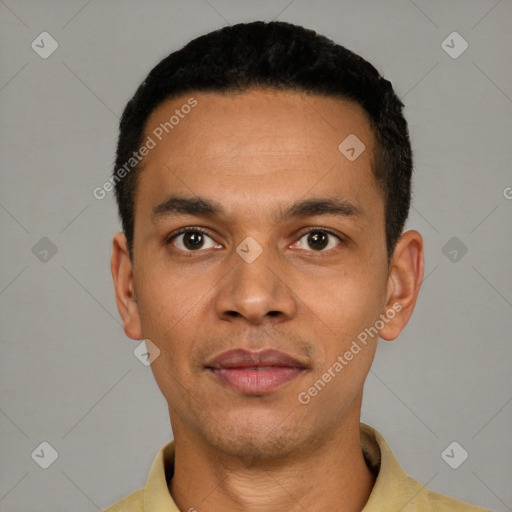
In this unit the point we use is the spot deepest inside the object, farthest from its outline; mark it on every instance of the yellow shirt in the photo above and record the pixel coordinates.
(393, 490)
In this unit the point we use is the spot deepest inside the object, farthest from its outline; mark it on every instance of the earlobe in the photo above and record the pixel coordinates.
(404, 283)
(122, 274)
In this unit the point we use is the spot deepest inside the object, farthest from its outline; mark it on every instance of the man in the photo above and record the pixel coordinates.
(263, 180)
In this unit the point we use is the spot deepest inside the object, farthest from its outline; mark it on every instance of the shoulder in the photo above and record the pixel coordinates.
(134, 502)
(433, 501)
(394, 489)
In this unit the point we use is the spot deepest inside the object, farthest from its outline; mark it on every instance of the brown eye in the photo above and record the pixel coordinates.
(193, 240)
(318, 240)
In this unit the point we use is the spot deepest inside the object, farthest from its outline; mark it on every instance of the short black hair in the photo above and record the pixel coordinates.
(280, 56)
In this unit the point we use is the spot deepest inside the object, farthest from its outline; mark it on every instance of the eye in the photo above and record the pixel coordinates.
(319, 240)
(192, 240)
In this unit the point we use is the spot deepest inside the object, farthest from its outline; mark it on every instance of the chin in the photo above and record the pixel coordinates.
(258, 440)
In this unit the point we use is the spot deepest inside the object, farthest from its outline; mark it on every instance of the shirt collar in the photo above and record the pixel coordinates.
(393, 488)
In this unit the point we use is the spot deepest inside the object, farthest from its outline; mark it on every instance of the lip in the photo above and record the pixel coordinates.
(243, 358)
(255, 373)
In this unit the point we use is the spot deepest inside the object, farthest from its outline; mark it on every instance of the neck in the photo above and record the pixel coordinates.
(329, 474)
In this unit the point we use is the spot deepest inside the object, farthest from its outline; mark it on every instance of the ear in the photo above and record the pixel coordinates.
(404, 282)
(122, 274)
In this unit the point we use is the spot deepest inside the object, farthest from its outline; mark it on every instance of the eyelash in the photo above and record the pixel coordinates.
(302, 233)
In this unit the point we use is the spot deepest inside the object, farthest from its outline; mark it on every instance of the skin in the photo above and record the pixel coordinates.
(256, 153)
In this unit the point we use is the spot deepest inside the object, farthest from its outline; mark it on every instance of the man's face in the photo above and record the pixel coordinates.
(320, 280)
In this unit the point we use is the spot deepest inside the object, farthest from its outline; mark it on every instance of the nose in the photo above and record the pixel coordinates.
(256, 291)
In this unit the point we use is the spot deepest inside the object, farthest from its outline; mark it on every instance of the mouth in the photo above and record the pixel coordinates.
(255, 373)
(258, 380)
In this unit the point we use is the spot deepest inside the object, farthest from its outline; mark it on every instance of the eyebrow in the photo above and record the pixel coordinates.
(200, 206)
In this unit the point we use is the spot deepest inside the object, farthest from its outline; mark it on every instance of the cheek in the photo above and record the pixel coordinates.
(344, 303)
(173, 306)
(169, 300)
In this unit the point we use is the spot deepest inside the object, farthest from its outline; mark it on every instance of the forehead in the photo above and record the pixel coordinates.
(245, 146)
(257, 115)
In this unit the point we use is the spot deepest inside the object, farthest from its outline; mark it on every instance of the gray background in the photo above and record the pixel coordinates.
(67, 371)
